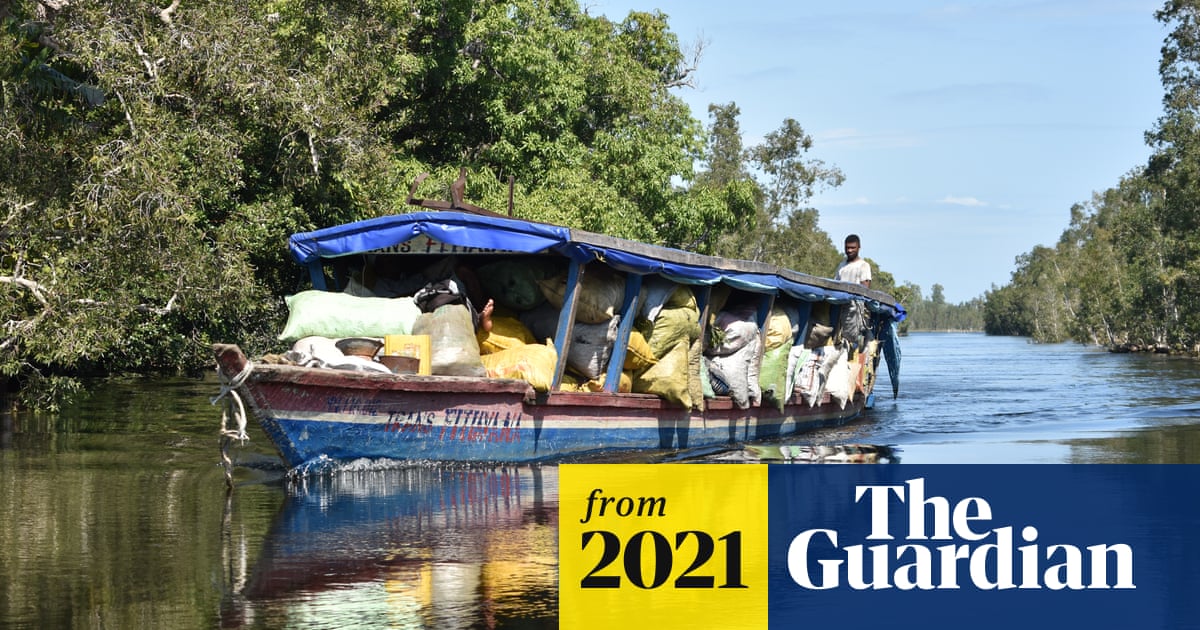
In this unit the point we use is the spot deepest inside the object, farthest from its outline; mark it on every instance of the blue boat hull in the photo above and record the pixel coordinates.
(313, 414)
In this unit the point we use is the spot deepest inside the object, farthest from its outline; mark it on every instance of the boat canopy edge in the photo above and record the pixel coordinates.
(516, 235)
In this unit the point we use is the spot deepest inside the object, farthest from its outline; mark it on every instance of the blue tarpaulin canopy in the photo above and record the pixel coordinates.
(487, 232)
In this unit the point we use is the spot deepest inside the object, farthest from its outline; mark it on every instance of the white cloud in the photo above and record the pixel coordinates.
(970, 202)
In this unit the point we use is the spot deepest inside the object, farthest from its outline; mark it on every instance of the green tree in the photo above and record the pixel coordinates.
(160, 157)
(1003, 313)
(105, 233)
(935, 313)
(781, 229)
(1126, 271)
(722, 182)
(579, 110)
(787, 232)
(1038, 286)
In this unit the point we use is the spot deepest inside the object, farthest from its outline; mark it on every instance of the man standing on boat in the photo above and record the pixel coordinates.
(854, 268)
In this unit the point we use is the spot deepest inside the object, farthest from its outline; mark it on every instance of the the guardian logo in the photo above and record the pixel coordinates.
(973, 555)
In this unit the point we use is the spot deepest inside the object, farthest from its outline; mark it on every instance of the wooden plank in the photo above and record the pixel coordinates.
(606, 400)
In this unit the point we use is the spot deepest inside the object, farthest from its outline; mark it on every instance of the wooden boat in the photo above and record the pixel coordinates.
(318, 414)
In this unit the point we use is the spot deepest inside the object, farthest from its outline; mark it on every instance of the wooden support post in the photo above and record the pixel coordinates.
(805, 311)
(566, 320)
(765, 304)
(704, 301)
(629, 311)
(316, 273)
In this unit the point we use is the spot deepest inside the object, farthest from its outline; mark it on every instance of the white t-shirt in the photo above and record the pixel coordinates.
(857, 272)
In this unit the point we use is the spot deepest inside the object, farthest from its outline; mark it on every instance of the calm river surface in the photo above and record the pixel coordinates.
(114, 514)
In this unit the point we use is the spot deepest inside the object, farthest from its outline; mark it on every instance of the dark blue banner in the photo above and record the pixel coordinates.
(984, 546)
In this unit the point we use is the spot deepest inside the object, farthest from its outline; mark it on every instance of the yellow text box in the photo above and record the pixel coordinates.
(662, 546)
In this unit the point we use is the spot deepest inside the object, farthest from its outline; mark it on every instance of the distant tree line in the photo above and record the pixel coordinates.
(1126, 271)
(158, 155)
(934, 313)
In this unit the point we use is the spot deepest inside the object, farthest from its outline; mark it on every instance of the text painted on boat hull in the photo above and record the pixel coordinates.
(465, 425)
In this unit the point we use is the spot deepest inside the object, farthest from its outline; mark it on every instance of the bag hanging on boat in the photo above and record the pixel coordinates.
(773, 376)
(639, 355)
(779, 328)
(672, 326)
(810, 382)
(840, 384)
(854, 324)
(731, 332)
(818, 336)
(737, 374)
(694, 373)
(797, 357)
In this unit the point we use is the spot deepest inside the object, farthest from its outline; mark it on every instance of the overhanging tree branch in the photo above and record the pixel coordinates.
(165, 14)
(34, 288)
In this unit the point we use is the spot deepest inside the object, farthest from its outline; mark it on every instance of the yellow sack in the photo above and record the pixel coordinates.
(506, 333)
(639, 355)
(779, 328)
(573, 383)
(668, 379)
(682, 297)
(866, 375)
(533, 363)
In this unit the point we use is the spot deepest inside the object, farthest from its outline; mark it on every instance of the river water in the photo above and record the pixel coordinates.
(114, 513)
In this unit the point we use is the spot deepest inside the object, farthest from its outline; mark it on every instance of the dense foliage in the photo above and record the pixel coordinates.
(157, 156)
(1126, 271)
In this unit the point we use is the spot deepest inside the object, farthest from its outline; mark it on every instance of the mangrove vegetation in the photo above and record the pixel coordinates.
(1126, 271)
(157, 155)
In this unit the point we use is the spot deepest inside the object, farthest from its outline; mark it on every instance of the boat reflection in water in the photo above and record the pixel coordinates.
(412, 547)
(813, 454)
(397, 546)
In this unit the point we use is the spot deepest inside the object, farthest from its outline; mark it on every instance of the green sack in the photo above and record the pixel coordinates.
(668, 379)
(514, 283)
(672, 326)
(337, 315)
(772, 377)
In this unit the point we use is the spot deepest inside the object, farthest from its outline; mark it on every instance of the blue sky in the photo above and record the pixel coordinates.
(965, 130)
